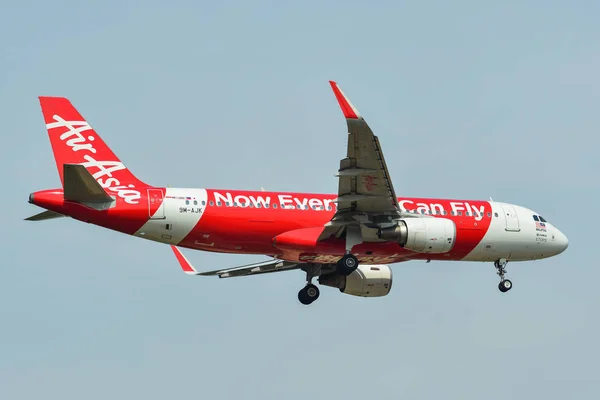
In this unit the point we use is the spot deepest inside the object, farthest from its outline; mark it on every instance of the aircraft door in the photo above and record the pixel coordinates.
(511, 217)
(156, 208)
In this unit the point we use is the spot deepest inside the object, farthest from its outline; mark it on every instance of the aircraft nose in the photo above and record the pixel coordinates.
(560, 240)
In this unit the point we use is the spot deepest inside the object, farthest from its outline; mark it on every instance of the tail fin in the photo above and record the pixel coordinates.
(74, 141)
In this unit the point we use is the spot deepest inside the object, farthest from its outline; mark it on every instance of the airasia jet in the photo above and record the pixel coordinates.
(345, 239)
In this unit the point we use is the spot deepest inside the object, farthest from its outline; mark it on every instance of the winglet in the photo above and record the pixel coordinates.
(185, 264)
(350, 112)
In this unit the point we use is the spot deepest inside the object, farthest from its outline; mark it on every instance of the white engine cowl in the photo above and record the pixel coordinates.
(365, 281)
(423, 235)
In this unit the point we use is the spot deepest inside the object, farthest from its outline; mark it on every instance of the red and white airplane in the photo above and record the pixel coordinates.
(346, 239)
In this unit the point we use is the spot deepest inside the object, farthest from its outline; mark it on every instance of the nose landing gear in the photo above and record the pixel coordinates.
(505, 284)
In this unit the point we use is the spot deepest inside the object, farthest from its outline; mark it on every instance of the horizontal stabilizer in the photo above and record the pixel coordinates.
(81, 187)
(44, 216)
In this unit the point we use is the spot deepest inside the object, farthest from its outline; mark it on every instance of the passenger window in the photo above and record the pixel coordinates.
(489, 214)
(212, 203)
(218, 203)
(275, 205)
(535, 218)
(203, 203)
(468, 213)
(460, 213)
(496, 215)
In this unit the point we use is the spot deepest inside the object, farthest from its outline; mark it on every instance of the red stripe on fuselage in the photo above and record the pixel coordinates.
(246, 222)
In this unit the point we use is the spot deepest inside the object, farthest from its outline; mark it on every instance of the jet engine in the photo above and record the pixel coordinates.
(365, 281)
(423, 235)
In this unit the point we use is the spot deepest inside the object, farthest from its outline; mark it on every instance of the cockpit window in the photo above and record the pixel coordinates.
(535, 218)
(542, 219)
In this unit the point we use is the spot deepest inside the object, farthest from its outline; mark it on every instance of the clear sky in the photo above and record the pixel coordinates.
(470, 99)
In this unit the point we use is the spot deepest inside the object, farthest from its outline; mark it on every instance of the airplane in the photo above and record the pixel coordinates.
(345, 240)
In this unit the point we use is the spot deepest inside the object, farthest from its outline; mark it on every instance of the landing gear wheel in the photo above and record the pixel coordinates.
(308, 294)
(505, 285)
(347, 264)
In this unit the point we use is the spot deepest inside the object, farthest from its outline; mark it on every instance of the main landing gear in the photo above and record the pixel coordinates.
(505, 285)
(347, 264)
(310, 292)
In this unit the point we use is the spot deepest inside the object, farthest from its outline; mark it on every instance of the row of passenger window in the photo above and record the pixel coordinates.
(306, 207)
(258, 205)
(454, 213)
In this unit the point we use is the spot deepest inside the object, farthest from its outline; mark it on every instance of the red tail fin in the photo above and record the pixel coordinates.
(75, 142)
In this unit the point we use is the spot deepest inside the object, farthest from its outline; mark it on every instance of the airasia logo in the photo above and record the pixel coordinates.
(74, 138)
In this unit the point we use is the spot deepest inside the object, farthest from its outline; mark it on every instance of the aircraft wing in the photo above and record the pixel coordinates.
(366, 195)
(244, 270)
(364, 181)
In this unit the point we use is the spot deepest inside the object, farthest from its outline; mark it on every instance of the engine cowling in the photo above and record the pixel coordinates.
(423, 235)
(365, 281)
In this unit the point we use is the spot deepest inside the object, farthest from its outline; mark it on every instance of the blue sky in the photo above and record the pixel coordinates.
(470, 100)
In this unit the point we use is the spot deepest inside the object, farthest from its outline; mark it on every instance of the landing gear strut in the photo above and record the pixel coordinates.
(310, 292)
(505, 285)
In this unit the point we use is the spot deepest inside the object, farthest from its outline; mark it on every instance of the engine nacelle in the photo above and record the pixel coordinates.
(365, 281)
(423, 235)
